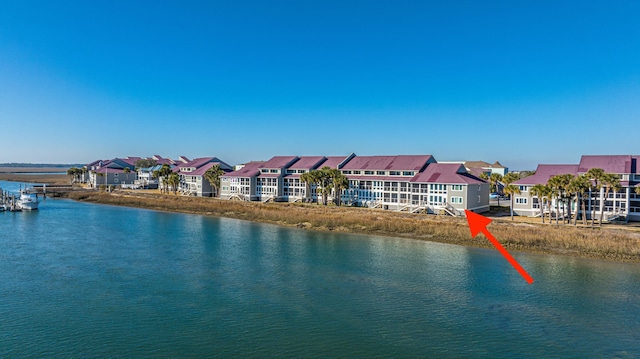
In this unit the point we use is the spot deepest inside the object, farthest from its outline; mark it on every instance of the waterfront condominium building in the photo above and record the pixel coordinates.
(624, 203)
(192, 179)
(412, 183)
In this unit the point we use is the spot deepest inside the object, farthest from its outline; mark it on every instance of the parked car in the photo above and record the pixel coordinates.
(494, 195)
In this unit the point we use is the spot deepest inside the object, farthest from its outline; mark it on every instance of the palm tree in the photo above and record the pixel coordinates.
(126, 171)
(510, 178)
(174, 180)
(212, 176)
(610, 182)
(554, 192)
(163, 175)
(541, 191)
(595, 175)
(580, 185)
(71, 172)
(494, 179)
(310, 178)
(511, 190)
(339, 182)
(637, 189)
(562, 182)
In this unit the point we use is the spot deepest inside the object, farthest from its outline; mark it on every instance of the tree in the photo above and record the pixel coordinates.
(310, 178)
(595, 175)
(510, 178)
(126, 171)
(174, 180)
(339, 182)
(637, 189)
(564, 196)
(579, 186)
(541, 191)
(525, 174)
(610, 182)
(73, 173)
(323, 179)
(145, 163)
(163, 176)
(212, 176)
(554, 192)
(511, 190)
(494, 179)
(324, 175)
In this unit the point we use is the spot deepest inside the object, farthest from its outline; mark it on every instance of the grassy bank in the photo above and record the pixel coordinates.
(604, 243)
(48, 178)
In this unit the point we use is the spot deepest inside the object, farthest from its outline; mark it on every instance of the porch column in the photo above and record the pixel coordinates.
(602, 199)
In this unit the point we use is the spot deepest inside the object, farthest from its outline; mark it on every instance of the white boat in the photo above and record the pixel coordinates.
(28, 201)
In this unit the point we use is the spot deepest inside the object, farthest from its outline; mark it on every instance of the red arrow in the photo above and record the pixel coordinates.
(477, 224)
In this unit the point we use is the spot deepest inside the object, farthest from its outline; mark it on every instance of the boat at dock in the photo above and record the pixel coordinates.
(28, 200)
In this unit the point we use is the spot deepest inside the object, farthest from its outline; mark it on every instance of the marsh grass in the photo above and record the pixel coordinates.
(612, 244)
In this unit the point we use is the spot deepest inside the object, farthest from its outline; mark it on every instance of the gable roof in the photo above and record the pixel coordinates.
(201, 170)
(199, 162)
(250, 169)
(398, 163)
(618, 164)
(308, 162)
(448, 173)
(336, 161)
(279, 162)
(544, 172)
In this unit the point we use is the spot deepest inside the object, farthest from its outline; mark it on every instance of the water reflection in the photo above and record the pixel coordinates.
(111, 281)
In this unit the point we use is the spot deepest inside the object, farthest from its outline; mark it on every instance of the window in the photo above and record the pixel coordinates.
(524, 188)
(394, 173)
(407, 173)
(273, 171)
(456, 187)
(457, 200)
(346, 172)
(291, 171)
(302, 171)
(356, 172)
(264, 170)
(368, 172)
(381, 173)
(521, 200)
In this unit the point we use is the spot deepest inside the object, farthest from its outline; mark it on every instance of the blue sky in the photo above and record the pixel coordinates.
(519, 82)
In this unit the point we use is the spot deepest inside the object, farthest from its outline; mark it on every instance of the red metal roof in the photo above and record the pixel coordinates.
(611, 164)
(544, 172)
(250, 169)
(307, 162)
(447, 173)
(333, 161)
(278, 162)
(397, 163)
(202, 169)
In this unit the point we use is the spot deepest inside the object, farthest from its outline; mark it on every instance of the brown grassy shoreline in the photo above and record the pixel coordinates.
(55, 179)
(603, 243)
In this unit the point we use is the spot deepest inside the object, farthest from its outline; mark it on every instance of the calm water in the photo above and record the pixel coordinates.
(83, 280)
